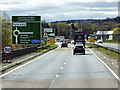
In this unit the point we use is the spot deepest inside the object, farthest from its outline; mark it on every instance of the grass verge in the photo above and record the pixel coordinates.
(111, 54)
(51, 46)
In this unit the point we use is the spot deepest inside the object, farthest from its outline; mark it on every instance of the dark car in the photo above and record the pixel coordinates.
(79, 49)
(61, 40)
(64, 44)
(99, 41)
(68, 41)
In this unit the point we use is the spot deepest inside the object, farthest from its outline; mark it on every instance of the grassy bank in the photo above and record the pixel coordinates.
(111, 54)
(51, 46)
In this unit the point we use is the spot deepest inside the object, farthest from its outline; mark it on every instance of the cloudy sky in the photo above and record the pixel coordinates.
(55, 10)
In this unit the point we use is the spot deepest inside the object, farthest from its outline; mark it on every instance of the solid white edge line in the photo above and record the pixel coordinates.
(106, 66)
(26, 63)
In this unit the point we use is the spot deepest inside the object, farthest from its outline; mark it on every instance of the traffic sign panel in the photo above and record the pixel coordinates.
(51, 40)
(91, 40)
(50, 32)
(26, 30)
(45, 34)
(7, 49)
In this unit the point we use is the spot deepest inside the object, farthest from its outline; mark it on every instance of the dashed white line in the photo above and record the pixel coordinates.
(61, 68)
(104, 57)
(98, 52)
(57, 75)
(64, 62)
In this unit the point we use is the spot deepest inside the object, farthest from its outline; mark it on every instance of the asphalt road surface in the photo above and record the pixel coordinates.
(61, 69)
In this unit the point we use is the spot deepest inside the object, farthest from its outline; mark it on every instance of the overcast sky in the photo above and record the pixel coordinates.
(55, 10)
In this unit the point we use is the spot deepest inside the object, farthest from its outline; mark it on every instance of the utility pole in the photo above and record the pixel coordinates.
(58, 30)
(81, 29)
(72, 27)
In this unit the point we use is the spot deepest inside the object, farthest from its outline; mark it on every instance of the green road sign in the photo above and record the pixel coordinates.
(26, 30)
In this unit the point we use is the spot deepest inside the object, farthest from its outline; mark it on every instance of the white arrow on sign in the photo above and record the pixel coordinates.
(16, 35)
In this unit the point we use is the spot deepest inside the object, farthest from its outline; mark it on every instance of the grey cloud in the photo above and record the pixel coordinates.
(57, 11)
(69, 7)
(105, 9)
(8, 3)
(35, 9)
(93, 4)
(78, 16)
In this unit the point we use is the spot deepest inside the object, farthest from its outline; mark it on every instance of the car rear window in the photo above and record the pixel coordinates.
(79, 46)
(64, 43)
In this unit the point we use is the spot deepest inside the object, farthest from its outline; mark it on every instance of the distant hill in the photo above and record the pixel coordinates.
(94, 21)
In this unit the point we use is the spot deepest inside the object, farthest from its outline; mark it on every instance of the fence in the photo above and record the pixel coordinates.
(109, 48)
(20, 52)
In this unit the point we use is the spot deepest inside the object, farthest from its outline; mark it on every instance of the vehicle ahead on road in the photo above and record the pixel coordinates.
(61, 40)
(99, 41)
(68, 41)
(79, 48)
(64, 44)
(72, 42)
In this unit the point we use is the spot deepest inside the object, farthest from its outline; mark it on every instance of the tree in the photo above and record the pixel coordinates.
(106, 26)
(6, 31)
(63, 29)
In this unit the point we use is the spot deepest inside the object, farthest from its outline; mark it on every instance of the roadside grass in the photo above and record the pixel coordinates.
(111, 54)
(51, 46)
(91, 45)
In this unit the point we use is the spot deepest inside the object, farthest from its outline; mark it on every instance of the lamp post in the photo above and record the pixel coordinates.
(57, 30)
(72, 27)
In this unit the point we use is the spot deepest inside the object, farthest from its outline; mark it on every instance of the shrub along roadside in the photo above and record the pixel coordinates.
(51, 46)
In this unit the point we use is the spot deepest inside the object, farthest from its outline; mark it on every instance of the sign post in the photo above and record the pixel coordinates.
(45, 36)
(26, 30)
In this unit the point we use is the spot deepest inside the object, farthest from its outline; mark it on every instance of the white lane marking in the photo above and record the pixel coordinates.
(26, 63)
(61, 68)
(104, 57)
(64, 62)
(106, 66)
(57, 75)
(98, 52)
(52, 83)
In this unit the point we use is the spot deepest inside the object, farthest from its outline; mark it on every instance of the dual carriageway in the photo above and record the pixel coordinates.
(59, 68)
